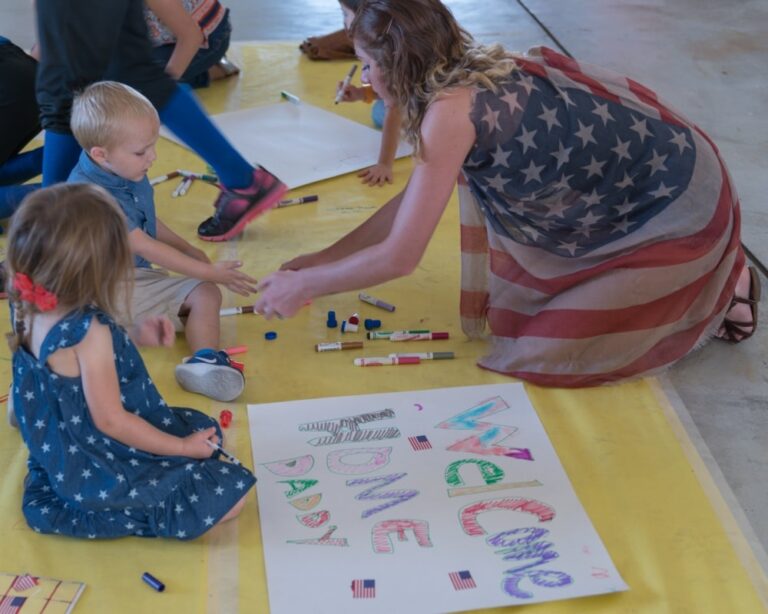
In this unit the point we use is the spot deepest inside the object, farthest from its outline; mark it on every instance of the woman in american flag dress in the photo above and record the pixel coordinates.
(599, 228)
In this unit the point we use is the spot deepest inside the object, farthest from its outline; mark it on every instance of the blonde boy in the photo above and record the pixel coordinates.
(117, 127)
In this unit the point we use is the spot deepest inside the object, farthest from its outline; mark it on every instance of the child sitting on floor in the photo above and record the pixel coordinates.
(117, 127)
(107, 456)
(388, 119)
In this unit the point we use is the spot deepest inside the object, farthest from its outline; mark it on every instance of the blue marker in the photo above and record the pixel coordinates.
(153, 582)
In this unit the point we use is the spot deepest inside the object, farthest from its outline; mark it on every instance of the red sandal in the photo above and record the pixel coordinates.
(735, 331)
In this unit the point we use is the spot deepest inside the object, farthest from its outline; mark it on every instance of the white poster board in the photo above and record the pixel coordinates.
(300, 143)
(425, 501)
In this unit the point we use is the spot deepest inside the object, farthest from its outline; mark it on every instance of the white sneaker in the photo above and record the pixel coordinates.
(211, 373)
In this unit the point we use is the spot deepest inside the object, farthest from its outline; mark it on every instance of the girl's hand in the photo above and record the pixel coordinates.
(195, 446)
(352, 93)
(281, 294)
(378, 174)
(153, 331)
(237, 281)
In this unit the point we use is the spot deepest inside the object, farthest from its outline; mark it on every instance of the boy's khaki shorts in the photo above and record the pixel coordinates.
(156, 292)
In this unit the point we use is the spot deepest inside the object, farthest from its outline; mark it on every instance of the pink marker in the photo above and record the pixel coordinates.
(236, 349)
(417, 336)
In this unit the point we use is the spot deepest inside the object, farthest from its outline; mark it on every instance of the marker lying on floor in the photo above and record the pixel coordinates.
(418, 336)
(338, 345)
(386, 334)
(161, 178)
(425, 355)
(290, 97)
(298, 201)
(224, 453)
(381, 361)
(235, 311)
(372, 300)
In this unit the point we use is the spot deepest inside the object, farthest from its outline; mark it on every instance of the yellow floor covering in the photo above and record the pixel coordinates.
(630, 462)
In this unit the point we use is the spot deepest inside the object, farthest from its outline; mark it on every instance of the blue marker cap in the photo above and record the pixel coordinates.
(153, 582)
(269, 336)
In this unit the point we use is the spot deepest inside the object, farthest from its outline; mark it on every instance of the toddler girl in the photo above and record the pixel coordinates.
(107, 456)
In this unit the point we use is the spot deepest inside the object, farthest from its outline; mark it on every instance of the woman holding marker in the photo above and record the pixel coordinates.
(600, 229)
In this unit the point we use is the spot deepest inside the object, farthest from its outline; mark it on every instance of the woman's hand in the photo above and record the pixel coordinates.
(305, 261)
(281, 294)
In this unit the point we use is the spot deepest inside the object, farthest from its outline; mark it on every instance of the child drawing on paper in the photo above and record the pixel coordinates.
(107, 456)
(117, 127)
(386, 117)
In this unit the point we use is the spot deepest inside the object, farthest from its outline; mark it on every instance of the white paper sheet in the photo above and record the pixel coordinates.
(300, 143)
(411, 501)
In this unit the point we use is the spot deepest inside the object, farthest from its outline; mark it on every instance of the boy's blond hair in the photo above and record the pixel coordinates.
(102, 110)
(72, 240)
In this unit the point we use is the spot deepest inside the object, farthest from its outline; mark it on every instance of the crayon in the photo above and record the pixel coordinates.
(418, 336)
(371, 300)
(161, 178)
(338, 345)
(345, 84)
(236, 349)
(290, 97)
(298, 201)
(235, 311)
(153, 582)
(425, 355)
(381, 361)
(386, 334)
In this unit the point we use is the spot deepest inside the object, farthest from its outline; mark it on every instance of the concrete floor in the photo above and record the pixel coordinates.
(708, 59)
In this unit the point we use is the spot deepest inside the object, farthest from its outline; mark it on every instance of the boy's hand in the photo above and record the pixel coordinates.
(153, 331)
(237, 281)
(378, 174)
(195, 446)
(352, 93)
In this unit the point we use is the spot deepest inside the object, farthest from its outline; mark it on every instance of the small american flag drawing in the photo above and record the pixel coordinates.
(462, 580)
(11, 605)
(363, 589)
(24, 582)
(420, 442)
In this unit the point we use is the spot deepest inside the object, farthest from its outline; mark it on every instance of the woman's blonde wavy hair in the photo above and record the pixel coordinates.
(422, 51)
(71, 239)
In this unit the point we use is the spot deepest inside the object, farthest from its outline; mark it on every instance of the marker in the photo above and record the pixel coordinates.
(224, 453)
(386, 334)
(290, 97)
(235, 311)
(153, 582)
(180, 187)
(184, 187)
(201, 176)
(298, 201)
(236, 349)
(161, 178)
(381, 361)
(418, 336)
(345, 84)
(425, 355)
(338, 345)
(367, 298)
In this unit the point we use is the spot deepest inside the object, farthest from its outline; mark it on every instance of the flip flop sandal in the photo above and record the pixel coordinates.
(735, 330)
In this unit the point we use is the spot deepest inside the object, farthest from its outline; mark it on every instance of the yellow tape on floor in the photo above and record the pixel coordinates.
(626, 461)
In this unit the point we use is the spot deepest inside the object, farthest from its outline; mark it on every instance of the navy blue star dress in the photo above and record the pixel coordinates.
(83, 483)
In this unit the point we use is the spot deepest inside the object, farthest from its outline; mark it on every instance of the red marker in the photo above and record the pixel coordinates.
(225, 417)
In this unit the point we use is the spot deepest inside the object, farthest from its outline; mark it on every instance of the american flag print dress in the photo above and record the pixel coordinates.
(599, 228)
(82, 482)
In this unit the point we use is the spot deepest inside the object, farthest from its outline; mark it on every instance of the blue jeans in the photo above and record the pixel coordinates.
(196, 74)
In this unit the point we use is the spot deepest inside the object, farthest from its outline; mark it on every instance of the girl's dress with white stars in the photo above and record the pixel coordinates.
(83, 483)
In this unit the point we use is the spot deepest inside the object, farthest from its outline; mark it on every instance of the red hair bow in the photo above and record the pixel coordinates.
(31, 293)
